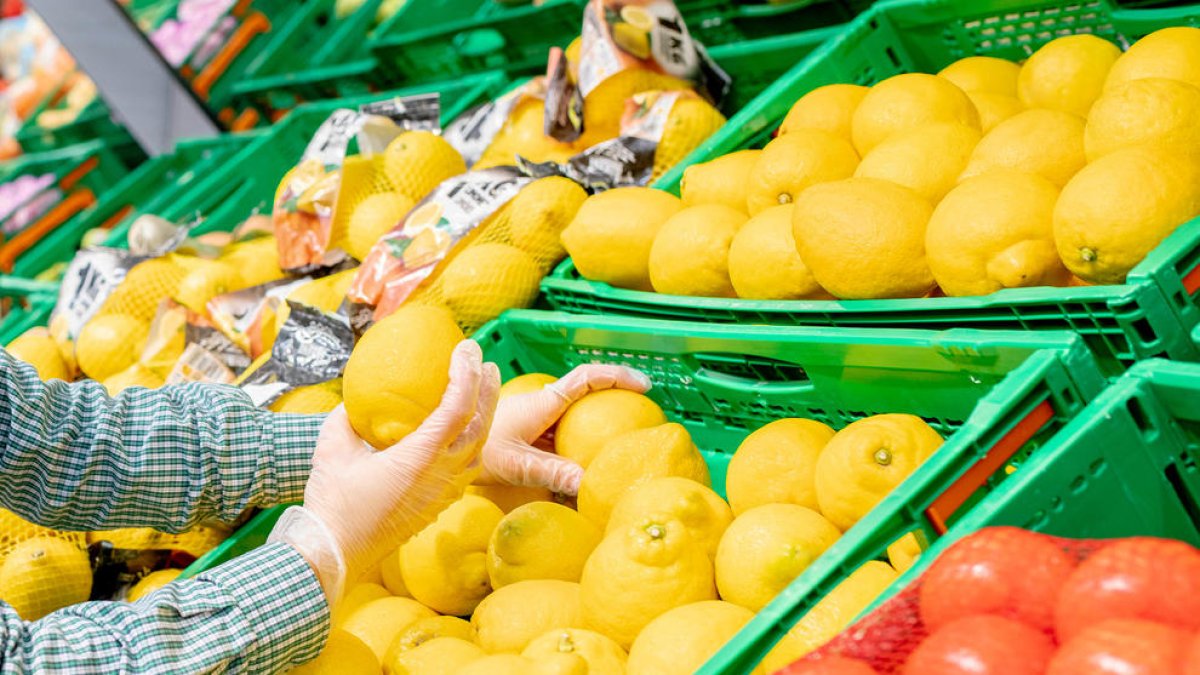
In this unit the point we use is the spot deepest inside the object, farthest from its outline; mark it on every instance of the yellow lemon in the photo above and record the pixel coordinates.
(1046, 142)
(44, 574)
(312, 399)
(514, 664)
(927, 159)
(524, 384)
(374, 217)
(766, 548)
(691, 252)
(1121, 206)
(356, 596)
(136, 375)
(829, 108)
(691, 121)
(983, 73)
(1151, 110)
(509, 497)
(38, 348)
(415, 162)
(602, 654)
(512, 616)
(391, 576)
(445, 565)
(379, 622)
(1067, 73)
(867, 460)
(144, 288)
(150, 583)
(907, 101)
(775, 465)
(205, 280)
(326, 293)
(432, 628)
(1172, 53)
(719, 181)
(110, 343)
(791, 164)
(524, 134)
(640, 571)
(485, 279)
(864, 238)
(541, 211)
(604, 106)
(541, 540)
(764, 263)
(702, 511)
(344, 654)
(994, 108)
(611, 234)
(398, 372)
(837, 610)
(599, 417)
(256, 260)
(439, 655)
(995, 231)
(679, 641)
(633, 458)
(904, 552)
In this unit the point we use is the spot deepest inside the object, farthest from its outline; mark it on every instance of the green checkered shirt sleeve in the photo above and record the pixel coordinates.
(71, 457)
(263, 612)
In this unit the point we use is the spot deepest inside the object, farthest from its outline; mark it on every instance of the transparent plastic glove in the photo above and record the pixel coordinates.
(360, 504)
(510, 457)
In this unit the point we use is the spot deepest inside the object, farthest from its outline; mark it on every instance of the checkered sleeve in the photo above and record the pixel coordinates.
(71, 457)
(263, 612)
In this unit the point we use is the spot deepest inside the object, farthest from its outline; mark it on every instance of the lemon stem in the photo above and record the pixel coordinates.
(1088, 255)
(656, 531)
(784, 198)
(883, 457)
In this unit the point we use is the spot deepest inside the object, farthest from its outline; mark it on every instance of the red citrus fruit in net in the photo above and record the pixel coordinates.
(984, 644)
(1001, 570)
(1122, 647)
(1138, 578)
(834, 665)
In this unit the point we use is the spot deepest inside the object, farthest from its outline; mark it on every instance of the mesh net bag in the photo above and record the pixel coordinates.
(195, 542)
(14, 530)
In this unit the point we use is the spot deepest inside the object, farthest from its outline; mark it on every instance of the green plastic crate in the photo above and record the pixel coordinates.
(94, 122)
(1149, 315)
(25, 304)
(273, 96)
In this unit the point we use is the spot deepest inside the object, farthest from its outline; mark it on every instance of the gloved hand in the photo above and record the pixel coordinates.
(360, 504)
(510, 458)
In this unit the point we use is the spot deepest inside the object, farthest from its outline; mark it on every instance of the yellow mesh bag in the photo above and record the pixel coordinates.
(14, 530)
(196, 542)
(145, 286)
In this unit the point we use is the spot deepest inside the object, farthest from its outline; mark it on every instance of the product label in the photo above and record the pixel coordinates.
(312, 347)
(420, 112)
(92, 276)
(474, 130)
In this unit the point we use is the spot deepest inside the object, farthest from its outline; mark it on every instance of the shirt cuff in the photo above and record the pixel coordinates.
(280, 595)
(293, 439)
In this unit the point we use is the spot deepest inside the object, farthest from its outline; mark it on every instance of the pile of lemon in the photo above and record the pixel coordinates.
(1066, 169)
(650, 572)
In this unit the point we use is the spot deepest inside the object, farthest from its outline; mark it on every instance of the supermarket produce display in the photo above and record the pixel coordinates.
(822, 336)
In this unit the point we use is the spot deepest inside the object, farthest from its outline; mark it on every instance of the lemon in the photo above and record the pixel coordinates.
(356, 596)
(485, 279)
(374, 217)
(995, 231)
(907, 101)
(37, 348)
(633, 458)
(524, 134)
(767, 547)
(205, 280)
(1046, 142)
(829, 108)
(719, 181)
(1172, 53)
(1121, 206)
(509, 497)
(837, 610)
(927, 158)
(326, 293)
(378, 622)
(640, 571)
(994, 108)
(541, 211)
(439, 655)
(110, 343)
(604, 105)
(681, 640)
(44, 574)
(150, 583)
(144, 288)
(415, 162)
(904, 552)
(509, 618)
(398, 371)
(391, 576)
(691, 121)
(136, 375)
(611, 234)
(599, 417)
(524, 384)
(373, 575)
(864, 238)
(343, 654)
(791, 164)
(764, 263)
(1151, 110)
(513, 664)
(983, 73)
(541, 540)
(311, 399)
(1067, 73)
(691, 252)
(445, 565)
(433, 628)
(702, 511)
(256, 260)
(775, 465)
(602, 654)
(866, 460)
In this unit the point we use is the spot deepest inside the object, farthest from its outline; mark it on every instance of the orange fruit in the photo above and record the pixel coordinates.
(834, 665)
(1122, 647)
(1137, 578)
(984, 645)
(1004, 571)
